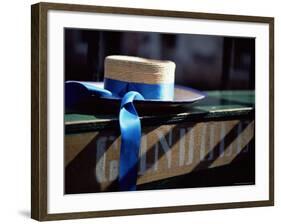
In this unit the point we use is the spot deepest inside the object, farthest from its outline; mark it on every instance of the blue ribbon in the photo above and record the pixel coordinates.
(130, 127)
(118, 88)
(129, 122)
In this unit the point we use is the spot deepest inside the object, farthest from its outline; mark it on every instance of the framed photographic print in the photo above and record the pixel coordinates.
(139, 111)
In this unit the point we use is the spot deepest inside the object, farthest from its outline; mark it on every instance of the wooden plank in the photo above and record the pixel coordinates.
(92, 158)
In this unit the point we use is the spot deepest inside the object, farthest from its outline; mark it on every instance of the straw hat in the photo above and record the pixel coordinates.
(135, 73)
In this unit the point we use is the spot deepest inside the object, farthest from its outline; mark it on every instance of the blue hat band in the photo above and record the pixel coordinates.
(119, 88)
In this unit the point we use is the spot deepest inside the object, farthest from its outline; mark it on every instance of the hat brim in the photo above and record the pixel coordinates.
(183, 97)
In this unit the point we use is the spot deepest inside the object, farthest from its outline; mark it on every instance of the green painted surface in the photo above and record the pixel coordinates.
(217, 105)
(85, 117)
(229, 100)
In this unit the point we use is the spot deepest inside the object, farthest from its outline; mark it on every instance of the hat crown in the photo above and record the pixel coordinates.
(139, 70)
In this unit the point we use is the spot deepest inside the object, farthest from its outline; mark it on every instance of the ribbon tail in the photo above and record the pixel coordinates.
(130, 128)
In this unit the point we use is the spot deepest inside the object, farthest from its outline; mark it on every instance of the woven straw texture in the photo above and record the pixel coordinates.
(139, 70)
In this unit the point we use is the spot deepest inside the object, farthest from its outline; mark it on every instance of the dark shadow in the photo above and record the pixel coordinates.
(80, 172)
(241, 171)
(216, 152)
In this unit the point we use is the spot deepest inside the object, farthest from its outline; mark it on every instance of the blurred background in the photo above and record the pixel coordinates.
(202, 61)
